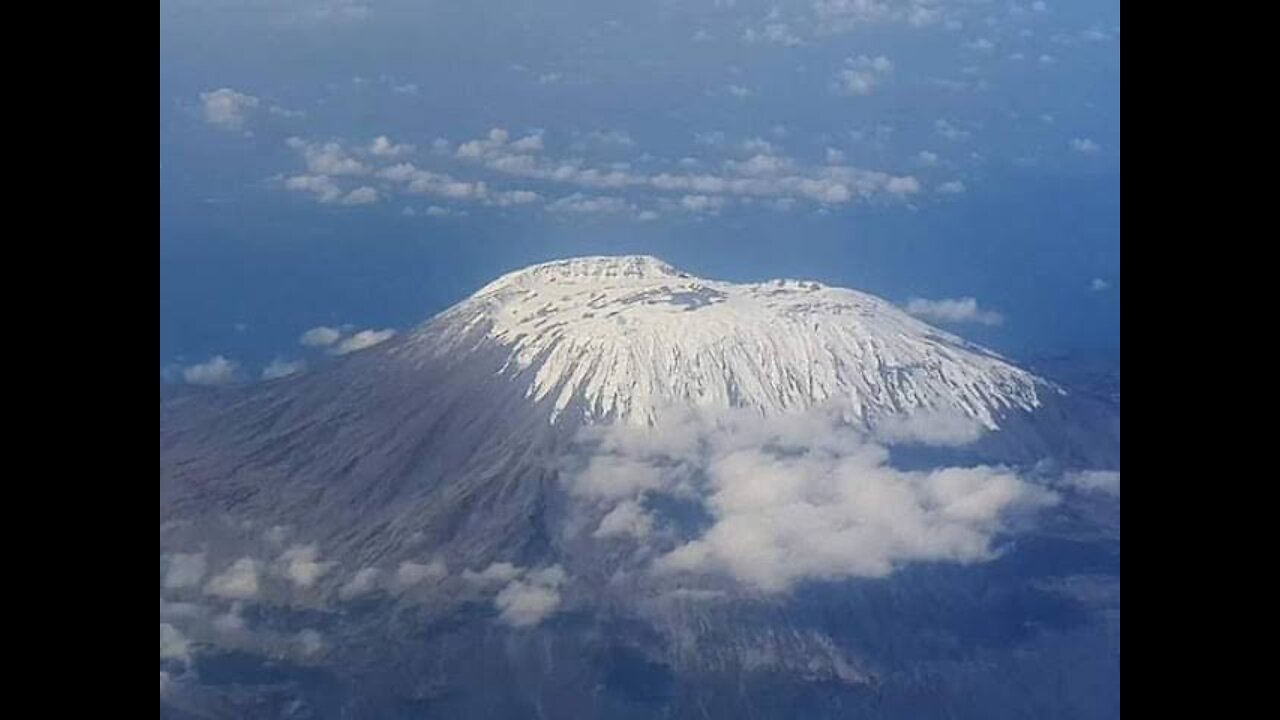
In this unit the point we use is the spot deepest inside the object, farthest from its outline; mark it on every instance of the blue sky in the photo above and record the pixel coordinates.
(363, 165)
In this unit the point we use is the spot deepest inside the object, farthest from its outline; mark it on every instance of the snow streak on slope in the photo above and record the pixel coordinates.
(618, 338)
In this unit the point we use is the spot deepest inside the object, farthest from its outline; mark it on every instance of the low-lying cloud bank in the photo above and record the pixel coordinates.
(789, 499)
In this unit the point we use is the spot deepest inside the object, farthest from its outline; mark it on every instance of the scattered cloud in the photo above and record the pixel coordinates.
(1094, 481)
(902, 186)
(495, 141)
(363, 195)
(952, 187)
(238, 582)
(286, 112)
(615, 476)
(950, 131)
(322, 187)
(862, 75)
(217, 370)
(280, 368)
(766, 175)
(611, 138)
(528, 601)
(230, 622)
(173, 645)
(227, 109)
(773, 33)
(362, 340)
(1085, 146)
(499, 572)
(184, 570)
(1099, 285)
(702, 203)
(579, 204)
(322, 336)
(939, 429)
(412, 573)
(528, 144)
(425, 182)
(841, 16)
(627, 519)
(309, 642)
(277, 534)
(802, 497)
(1095, 35)
(327, 159)
(616, 188)
(383, 147)
(953, 310)
(511, 198)
(300, 564)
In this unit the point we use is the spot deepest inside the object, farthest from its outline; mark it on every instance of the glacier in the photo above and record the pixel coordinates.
(616, 337)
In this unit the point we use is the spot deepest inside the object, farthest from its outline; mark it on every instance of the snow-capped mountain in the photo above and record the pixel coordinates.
(631, 492)
(617, 338)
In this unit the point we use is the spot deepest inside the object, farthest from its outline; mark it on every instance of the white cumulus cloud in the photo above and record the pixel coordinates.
(953, 310)
(530, 600)
(804, 497)
(322, 336)
(301, 565)
(862, 75)
(384, 148)
(227, 109)
(363, 340)
(327, 159)
(627, 519)
(1085, 146)
(363, 195)
(238, 582)
(217, 370)
(412, 573)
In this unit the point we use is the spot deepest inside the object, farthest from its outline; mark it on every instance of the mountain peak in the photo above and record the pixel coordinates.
(619, 338)
(609, 268)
